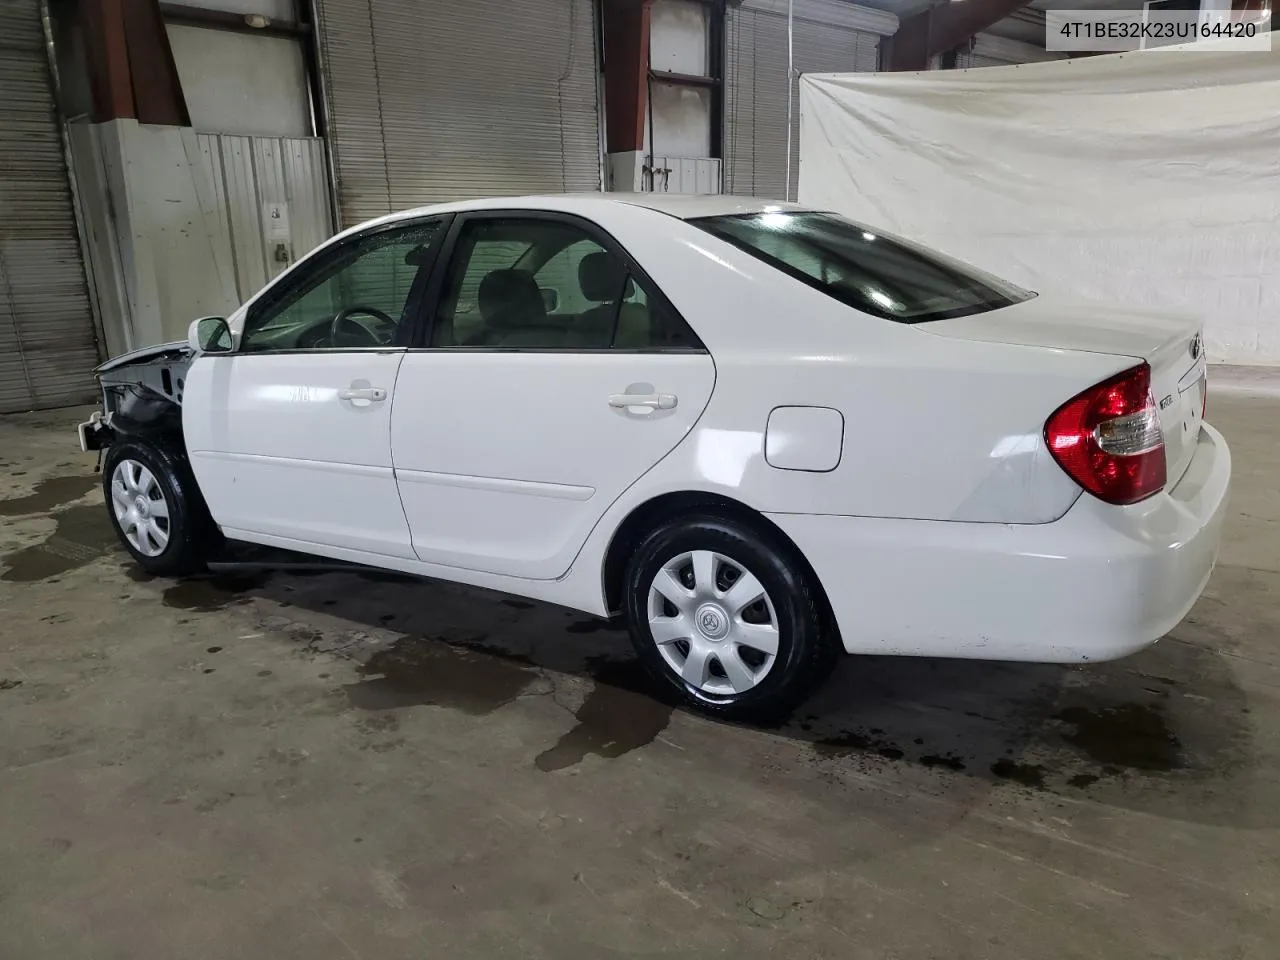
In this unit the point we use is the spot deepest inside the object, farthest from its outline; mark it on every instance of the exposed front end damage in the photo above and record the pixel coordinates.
(141, 396)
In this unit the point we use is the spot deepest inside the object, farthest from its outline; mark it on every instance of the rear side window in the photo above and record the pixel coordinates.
(879, 275)
(518, 283)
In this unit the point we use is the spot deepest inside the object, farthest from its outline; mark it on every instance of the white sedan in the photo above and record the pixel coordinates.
(760, 433)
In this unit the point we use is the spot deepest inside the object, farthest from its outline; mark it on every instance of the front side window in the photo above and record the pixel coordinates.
(356, 296)
(883, 276)
(540, 284)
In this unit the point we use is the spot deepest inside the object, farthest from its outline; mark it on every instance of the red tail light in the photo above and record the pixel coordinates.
(1108, 439)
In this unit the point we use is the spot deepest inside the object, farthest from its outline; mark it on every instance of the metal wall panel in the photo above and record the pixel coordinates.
(440, 101)
(827, 37)
(48, 347)
(252, 174)
(990, 50)
(686, 175)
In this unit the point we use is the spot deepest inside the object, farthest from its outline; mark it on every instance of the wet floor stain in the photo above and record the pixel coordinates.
(1129, 735)
(618, 715)
(851, 741)
(209, 594)
(419, 671)
(49, 494)
(81, 535)
(1027, 774)
(517, 604)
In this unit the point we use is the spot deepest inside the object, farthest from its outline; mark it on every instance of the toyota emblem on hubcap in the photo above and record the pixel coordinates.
(713, 622)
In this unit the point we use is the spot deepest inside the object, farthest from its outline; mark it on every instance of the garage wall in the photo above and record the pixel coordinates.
(679, 130)
(242, 84)
(151, 220)
(828, 37)
(449, 99)
(47, 340)
(270, 203)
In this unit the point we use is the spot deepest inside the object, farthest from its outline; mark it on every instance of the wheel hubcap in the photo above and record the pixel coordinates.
(140, 508)
(714, 624)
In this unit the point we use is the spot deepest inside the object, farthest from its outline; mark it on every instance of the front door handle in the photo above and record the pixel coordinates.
(654, 401)
(362, 393)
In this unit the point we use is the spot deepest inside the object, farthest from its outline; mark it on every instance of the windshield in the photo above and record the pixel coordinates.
(883, 276)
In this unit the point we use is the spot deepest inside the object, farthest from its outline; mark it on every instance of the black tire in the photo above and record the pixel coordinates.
(191, 531)
(807, 643)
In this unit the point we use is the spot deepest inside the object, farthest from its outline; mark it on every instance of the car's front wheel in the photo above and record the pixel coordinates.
(156, 508)
(725, 616)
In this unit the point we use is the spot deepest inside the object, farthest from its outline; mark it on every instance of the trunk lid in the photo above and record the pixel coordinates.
(1172, 345)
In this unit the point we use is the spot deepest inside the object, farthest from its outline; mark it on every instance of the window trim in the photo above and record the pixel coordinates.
(420, 340)
(318, 260)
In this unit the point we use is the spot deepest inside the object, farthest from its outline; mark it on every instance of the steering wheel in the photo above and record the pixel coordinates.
(343, 317)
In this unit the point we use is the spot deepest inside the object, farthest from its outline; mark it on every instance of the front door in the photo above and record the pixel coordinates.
(289, 436)
(552, 377)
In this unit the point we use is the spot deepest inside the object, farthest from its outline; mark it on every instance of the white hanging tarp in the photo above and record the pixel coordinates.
(1145, 179)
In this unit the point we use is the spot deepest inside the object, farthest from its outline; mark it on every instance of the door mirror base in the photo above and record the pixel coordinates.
(209, 335)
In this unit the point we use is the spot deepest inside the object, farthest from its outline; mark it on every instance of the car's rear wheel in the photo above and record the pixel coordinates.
(724, 615)
(156, 508)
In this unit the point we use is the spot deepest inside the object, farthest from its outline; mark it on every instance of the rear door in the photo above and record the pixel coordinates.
(551, 376)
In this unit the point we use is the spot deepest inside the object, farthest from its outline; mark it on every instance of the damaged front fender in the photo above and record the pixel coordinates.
(141, 396)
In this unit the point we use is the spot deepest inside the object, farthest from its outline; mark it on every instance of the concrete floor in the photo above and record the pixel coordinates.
(343, 766)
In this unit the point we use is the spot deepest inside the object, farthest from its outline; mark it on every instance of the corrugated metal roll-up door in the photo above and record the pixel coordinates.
(967, 59)
(449, 99)
(828, 36)
(47, 343)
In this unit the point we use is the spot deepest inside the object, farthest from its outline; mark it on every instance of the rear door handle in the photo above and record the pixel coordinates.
(654, 401)
(362, 393)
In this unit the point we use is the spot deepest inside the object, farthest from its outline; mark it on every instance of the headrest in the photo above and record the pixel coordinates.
(511, 298)
(600, 275)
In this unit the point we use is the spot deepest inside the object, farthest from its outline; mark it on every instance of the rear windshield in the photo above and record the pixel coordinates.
(883, 276)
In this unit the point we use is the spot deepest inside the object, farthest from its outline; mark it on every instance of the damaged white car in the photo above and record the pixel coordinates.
(762, 434)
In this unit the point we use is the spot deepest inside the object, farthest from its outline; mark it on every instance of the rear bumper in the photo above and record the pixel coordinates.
(1099, 583)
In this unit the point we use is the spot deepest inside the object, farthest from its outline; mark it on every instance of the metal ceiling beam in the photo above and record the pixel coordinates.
(940, 28)
(130, 63)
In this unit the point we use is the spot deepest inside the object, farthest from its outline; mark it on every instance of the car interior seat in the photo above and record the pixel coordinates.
(513, 310)
(605, 279)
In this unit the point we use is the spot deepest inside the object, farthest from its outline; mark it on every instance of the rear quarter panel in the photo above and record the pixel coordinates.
(935, 429)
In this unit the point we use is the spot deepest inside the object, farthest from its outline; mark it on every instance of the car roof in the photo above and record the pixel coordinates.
(682, 206)
(688, 206)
